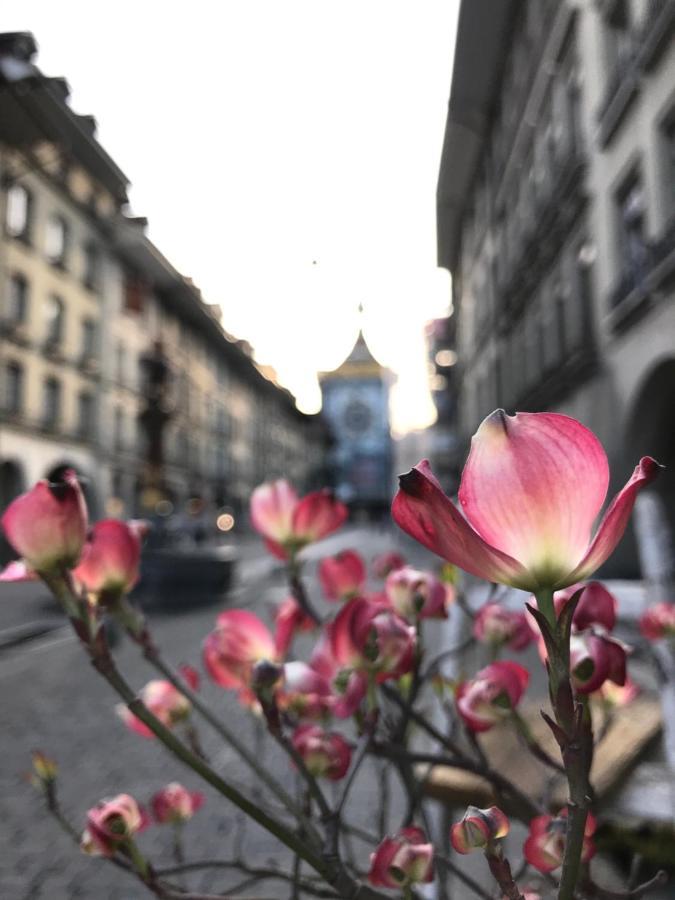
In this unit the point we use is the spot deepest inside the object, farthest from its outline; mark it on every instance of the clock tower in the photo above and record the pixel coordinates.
(356, 405)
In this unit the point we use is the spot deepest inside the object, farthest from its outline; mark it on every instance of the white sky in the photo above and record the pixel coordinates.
(263, 135)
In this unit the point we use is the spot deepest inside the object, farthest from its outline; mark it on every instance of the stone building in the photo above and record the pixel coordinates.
(556, 217)
(87, 302)
(356, 405)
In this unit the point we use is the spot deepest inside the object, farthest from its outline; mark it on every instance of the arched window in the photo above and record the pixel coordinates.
(56, 240)
(17, 311)
(54, 319)
(14, 387)
(18, 211)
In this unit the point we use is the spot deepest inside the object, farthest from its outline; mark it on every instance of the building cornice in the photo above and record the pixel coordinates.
(480, 50)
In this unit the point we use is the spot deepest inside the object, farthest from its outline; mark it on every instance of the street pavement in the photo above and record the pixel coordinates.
(53, 701)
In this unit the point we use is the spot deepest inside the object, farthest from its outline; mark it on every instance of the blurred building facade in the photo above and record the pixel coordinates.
(444, 445)
(556, 217)
(87, 302)
(356, 405)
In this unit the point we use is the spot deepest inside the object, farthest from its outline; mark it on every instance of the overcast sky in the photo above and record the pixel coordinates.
(286, 153)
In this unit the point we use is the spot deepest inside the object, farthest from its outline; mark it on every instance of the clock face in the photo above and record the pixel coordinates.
(357, 417)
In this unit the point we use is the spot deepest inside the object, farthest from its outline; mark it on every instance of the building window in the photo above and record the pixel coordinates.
(134, 294)
(118, 429)
(17, 305)
(51, 402)
(56, 240)
(88, 338)
(86, 414)
(14, 387)
(633, 247)
(92, 267)
(18, 213)
(54, 319)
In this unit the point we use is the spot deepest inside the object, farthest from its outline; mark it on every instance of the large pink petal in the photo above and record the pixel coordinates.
(272, 506)
(422, 510)
(532, 487)
(614, 521)
(317, 515)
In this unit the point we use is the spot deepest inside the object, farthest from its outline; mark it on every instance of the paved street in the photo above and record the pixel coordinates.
(52, 701)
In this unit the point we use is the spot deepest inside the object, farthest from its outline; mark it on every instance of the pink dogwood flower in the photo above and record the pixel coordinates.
(347, 686)
(491, 695)
(111, 824)
(304, 691)
(174, 804)
(47, 526)
(386, 563)
(498, 626)
(342, 576)
(163, 701)
(325, 753)
(595, 656)
(532, 487)
(400, 861)
(369, 637)
(478, 828)
(545, 845)
(617, 695)
(17, 570)
(290, 619)
(658, 622)
(110, 559)
(416, 595)
(288, 523)
(231, 652)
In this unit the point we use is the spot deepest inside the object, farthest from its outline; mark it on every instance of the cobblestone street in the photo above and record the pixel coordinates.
(52, 701)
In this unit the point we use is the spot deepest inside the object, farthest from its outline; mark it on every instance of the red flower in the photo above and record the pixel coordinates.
(658, 622)
(347, 687)
(289, 619)
(47, 525)
(402, 860)
(498, 626)
(478, 828)
(289, 524)
(545, 846)
(163, 701)
(369, 637)
(491, 696)
(596, 605)
(231, 651)
(342, 576)
(386, 563)
(110, 558)
(414, 594)
(325, 753)
(531, 489)
(174, 804)
(110, 825)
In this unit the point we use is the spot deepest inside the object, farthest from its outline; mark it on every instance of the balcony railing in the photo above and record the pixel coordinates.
(639, 282)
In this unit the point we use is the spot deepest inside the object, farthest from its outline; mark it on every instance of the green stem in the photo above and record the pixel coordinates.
(139, 861)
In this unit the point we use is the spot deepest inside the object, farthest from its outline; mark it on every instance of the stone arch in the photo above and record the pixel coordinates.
(12, 483)
(650, 431)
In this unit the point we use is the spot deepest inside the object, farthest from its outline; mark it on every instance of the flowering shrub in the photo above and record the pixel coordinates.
(530, 491)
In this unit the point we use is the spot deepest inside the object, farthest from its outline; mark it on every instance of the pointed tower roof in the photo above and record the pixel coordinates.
(359, 363)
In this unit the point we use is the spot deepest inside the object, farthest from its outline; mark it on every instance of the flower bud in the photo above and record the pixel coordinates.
(368, 636)
(413, 594)
(110, 559)
(492, 695)
(498, 626)
(400, 861)
(163, 700)
(174, 804)
(44, 769)
(386, 563)
(342, 576)
(325, 753)
(47, 525)
(545, 846)
(478, 828)
(110, 825)
(658, 622)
